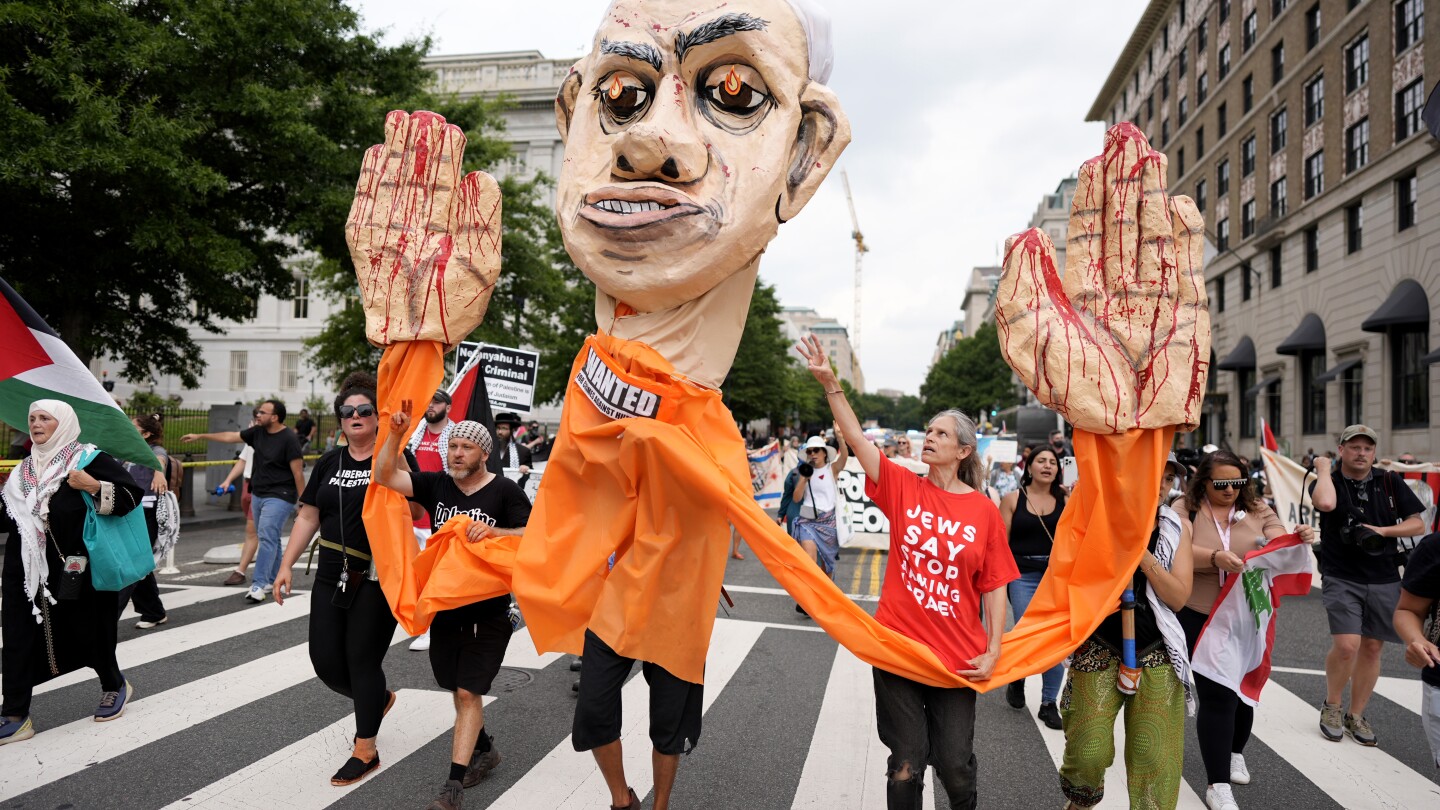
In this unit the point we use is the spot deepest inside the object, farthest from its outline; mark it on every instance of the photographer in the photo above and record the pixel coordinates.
(1362, 511)
(815, 499)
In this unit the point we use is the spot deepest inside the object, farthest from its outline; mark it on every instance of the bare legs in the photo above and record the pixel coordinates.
(611, 760)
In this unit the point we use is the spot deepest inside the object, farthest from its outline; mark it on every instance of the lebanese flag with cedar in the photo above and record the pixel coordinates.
(36, 364)
(1234, 646)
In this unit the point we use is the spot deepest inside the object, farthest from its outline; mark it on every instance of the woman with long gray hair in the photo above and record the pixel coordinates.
(948, 557)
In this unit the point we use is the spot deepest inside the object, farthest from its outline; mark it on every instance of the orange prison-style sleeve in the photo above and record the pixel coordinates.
(1099, 541)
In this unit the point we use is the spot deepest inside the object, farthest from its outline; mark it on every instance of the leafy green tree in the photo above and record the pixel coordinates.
(166, 162)
(972, 376)
(759, 384)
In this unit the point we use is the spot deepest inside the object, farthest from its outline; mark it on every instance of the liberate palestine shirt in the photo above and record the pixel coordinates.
(946, 550)
(337, 488)
(500, 503)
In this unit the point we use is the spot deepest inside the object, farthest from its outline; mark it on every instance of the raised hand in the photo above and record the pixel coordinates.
(815, 360)
(1123, 340)
(400, 420)
(425, 240)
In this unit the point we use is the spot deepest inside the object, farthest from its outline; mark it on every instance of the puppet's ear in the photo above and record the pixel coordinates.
(822, 135)
(565, 100)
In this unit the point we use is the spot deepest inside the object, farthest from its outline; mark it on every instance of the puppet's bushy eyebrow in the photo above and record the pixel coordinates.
(640, 51)
(722, 26)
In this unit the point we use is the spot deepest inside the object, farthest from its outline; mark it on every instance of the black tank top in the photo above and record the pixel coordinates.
(1028, 536)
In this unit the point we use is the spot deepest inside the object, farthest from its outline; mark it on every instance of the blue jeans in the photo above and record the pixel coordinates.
(1021, 591)
(270, 515)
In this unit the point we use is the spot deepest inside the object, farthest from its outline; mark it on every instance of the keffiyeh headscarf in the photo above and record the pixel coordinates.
(475, 432)
(27, 492)
(444, 443)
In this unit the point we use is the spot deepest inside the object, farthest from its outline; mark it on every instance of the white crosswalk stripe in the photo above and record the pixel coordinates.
(841, 767)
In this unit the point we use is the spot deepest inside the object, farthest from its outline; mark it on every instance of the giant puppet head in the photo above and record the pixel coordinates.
(689, 137)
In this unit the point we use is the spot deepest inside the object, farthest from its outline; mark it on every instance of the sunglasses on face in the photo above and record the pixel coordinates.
(362, 411)
(1227, 483)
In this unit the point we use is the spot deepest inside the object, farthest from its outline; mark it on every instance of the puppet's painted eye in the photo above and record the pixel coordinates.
(623, 96)
(736, 90)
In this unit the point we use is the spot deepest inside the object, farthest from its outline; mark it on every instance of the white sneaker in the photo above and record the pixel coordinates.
(1239, 774)
(256, 594)
(268, 588)
(1219, 797)
(421, 643)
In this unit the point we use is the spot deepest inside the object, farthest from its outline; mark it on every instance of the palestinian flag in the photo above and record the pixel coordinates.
(1234, 646)
(469, 399)
(36, 364)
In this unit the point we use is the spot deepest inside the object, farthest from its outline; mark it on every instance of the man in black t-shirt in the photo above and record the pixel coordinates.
(467, 644)
(305, 430)
(277, 477)
(1362, 511)
(1417, 622)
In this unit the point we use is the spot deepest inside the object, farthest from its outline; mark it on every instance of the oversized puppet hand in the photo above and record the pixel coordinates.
(1123, 341)
(425, 240)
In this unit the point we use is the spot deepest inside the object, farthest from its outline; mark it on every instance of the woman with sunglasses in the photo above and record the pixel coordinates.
(1228, 522)
(1031, 514)
(350, 622)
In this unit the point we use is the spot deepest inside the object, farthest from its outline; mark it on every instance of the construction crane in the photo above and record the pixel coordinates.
(860, 251)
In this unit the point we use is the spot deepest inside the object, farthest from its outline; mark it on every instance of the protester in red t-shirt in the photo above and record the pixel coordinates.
(949, 557)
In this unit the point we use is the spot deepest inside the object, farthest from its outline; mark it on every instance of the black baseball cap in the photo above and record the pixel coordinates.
(441, 396)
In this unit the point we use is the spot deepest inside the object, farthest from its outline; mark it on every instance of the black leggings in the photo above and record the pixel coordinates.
(1223, 720)
(146, 593)
(348, 646)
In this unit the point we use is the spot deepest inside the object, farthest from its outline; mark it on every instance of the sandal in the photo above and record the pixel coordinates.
(389, 702)
(354, 770)
(633, 804)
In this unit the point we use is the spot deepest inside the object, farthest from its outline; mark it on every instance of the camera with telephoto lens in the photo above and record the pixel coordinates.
(1355, 533)
(805, 469)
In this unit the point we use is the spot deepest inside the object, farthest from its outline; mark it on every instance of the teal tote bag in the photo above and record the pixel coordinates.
(119, 545)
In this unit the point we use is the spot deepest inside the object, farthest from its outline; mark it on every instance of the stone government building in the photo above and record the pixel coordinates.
(1296, 128)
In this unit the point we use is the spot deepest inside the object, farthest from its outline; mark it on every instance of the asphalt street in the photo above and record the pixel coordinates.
(227, 714)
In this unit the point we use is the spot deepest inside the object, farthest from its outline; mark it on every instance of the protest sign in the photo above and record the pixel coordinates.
(1289, 486)
(765, 474)
(868, 526)
(510, 374)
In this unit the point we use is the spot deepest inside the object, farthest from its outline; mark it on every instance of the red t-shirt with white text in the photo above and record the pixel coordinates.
(428, 456)
(945, 551)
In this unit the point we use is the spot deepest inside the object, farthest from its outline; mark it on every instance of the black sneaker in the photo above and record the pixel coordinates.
(801, 611)
(481, 765)
(1015, 694)
(1049, 715)
(452, 797)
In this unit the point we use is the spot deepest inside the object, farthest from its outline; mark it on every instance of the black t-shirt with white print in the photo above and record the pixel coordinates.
(499, 503)
(337, 488)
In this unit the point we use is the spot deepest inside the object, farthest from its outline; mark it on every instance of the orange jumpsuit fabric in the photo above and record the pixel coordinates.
(652, 468)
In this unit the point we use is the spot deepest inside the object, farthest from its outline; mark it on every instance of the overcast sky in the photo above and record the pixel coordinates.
(963, 116)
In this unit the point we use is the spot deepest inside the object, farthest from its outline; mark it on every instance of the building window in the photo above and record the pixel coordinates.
(1247, 282)
(1408, 103)
(1247, 156)
(1165, 86)
(1150, 61)
(1354, 227)
(1247, 92)
(1182, 12)
(300, 298)
(1249, 29)
(1312, 27)
(1357, 146)
(1224, 61)
(1246, 380)
(1312, 253)
(238, 363)
(1277, 6)
(1277, 63)
(1181, 157)
(1182, 61)
(1222, 235)
(1222, 178)
(1184, 110)
(1314, 100)
(1220, 294)
(1150, 108)
(1202, 35)
(1315, 174)
(1406, 191)
(1278, 198)
(1164, 131)
(1222, 119)
(1353, 393)
(1275, 267)
(1411, 394)
(1224, 10)
(1202, 88)
(1200, 195)
(1312, 365)
(1274, 413)
(289, 371)
(1357, 64)
(1247, 219)
(1409, 24)
(1199, 142)
(1164, 39)
(1279, 130)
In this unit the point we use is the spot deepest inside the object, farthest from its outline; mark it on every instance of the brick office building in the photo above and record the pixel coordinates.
(1296, 128)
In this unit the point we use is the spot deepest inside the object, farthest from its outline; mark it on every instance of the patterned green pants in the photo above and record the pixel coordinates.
(1154, 735)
